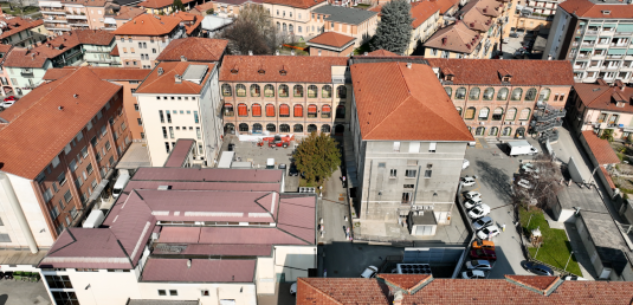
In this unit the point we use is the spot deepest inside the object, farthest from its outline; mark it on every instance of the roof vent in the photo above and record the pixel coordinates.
(60, 107)
(606, 12)
(250, 53)
(163, 187)
(178, 79)
(160, 71)
(75, 95)
(188, 263)
(472, 24)
(261, 71)
(292, 52)
(183, 58)
(365, 54)
(409, 65)
(277, 52)
(283, 72)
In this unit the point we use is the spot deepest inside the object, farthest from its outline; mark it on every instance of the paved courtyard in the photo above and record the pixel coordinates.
(23, 293)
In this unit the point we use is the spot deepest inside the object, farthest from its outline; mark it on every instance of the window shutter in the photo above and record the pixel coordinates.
(414, 147)
(242, 110)
(270, 110)
(298, 111)
(327, 108)
(284, 110)
(257, 110)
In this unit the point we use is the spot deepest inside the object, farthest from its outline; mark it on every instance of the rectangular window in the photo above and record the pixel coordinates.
(173, 293)
(73, 165)
(84, 152)
(408, 186)
(382, 165)
(68, 196)
(54, 213)
(61, 179)
(195, 117)
(5, 238)
(392, 173)
(432, 147)
(407, 197)
(123, 126)
(414, 147)
(198, 135)
(58, 282)
(428, 173)
(171, 132)
(107, 145)
(168, 116)
(396, 146)
(167, 146)
(103, 130)
(55, 162)
(161, 292)
(410, 173)
(89, 169)
(48, 194)
(139, 121)
(164, 132)
(162, 119)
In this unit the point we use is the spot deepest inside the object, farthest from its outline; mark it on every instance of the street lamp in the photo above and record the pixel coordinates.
(572, 253)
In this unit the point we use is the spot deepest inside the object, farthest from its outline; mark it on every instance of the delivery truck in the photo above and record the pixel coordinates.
(519, 148)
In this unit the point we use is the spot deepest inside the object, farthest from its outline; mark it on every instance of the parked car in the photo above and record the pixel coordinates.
(369, 272)
(472, 195)
(514, 35)
(293, 170)
(282, 166)
(7, 104)
(529, 168)
(466, 164)
(525, 184)
(574, 278)
(479, 211)
(483, 244)
(487, 232)
(9, 98)
(469, 204)
(538, 269)
(293, 289)
(482, 223)
(468, 181)
(479, 264)
(473, 274)
(489, 255)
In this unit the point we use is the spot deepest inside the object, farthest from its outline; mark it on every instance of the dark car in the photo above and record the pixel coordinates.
(231, 146)
(538, 269)
(293, 170)
(483, 254)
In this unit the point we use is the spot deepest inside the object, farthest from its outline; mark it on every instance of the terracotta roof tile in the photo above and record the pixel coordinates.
(30, 120)
(600, 148)
(148, 25)
(194, 49)
(405, 281)
(588, 9)
(191, 21)
(389, 104)
(16, 25)
(456, 37)
(382, 53)
(332, 39)
(423, 10)
(159, 3)
(446, 5)
(524, 72)
(105, 73)
(127, 13)
(299, 69)
(205, 6)
(166, 82)
(296, 3)
(540, 283)
(603, 97)
(115, 51)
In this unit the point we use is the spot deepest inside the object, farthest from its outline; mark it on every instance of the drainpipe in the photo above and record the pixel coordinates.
(19, 213)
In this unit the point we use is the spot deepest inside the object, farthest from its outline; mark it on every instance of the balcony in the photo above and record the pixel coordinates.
(540, 127)
(57, 27)
(55, 11)
(594, 32)
(28, 73)
(588, 43)
(55, 20)
(78, 17)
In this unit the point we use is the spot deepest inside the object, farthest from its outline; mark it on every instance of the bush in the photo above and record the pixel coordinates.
(210, 11)
(607, 134)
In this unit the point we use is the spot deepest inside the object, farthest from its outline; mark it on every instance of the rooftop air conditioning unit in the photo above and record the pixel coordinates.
(163, 187)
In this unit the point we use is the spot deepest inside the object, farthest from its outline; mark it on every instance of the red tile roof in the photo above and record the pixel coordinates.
(332, 39)
(516, 290)
(446, 5)
(600, 148)
(456, 37)
(207, 185)
(608, 178)
(605, 97)
(16, 25)
(191, 21)
(382, 53)
(299, 69)
(127, 13)
(296, 3)
(115, 51)
(194, 49)
(423, 10)
(159, 3)
(405, 281)
(106, 73)
(588, 9)
(29, 144)
(524, 72)
(148, 25)
(166, 82)
(201, 270)
(390, 97)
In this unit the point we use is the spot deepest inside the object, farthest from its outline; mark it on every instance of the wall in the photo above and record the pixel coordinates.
(316, 51)
(130, 52)
(211, 117)
(242, 293)
(297, 17)
(21, 83)
(589, 246)
(130, 104)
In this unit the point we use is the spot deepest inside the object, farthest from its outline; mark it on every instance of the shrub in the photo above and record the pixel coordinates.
(210, 11)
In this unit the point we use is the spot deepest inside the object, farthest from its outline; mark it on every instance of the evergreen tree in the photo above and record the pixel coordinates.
(394, 29)
(177, 5)
(317, 157)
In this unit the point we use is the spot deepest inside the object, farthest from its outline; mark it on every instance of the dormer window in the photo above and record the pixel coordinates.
(505, 79)
(261, 71)
(234, 71)
(448, 77)
(605, 12)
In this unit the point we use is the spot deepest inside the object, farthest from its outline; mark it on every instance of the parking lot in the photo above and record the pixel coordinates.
(494, 170)
(13, 292)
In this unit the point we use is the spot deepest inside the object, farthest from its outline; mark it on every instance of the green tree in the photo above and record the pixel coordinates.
(177, 5)
(607, 134)
(394, 29)
(317, 157)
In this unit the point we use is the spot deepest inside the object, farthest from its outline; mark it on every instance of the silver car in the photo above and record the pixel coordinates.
(482, 223)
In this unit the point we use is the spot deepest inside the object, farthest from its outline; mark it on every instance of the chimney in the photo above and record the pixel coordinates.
(178, 79)
(250, 53)
(75, 95)
(277, 52)
(160, 71)
(292, 52)
(397, 297)
(60, 108)
(183, 58)
(188, 263)
(409, 65)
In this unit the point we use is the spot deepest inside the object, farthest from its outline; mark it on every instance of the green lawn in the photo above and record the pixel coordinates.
(17, 10)
(556, 248)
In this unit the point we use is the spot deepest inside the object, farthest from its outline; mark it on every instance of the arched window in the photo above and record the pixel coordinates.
(240, 89)
(325, 128)
(326, 91)
(489, 93)
(312, 111)
(507, 132)
(511, 114)
(271, 127)
(449, 91)
(243, 127)
(242, 110)
(326, 111)
(229, 127)
(269, 91)
(460, 94)
(312, 128)
(312, 91)
(298, 91)
(226, 90)
(474, 94)
(257, 110)
(484, 113)
(283, 91)
(502, 95)
(255, 91)
(525, 114)
(520, 132)
(531, 94)
(297, 128)
(459, 110)
(480, 131)
(497, 115)
(284, 111)
(470, 113)
(340, 111)
(278, 25)
(284, 128)
(270, 110)
(228, 110)
(341, 91)
(517, 94)
(257, 127)
(284, 27)
(298, 111)
(494, 131)
(544, 96)
(290, 26)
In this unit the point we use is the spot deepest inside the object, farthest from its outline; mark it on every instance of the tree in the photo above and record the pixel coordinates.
(394, 29)
(251, 31)
(317, 157)
(607, 134)
(177, 5)
(210, 11)
(543, 178)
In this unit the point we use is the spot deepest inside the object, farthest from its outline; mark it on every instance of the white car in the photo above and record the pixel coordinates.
(486, 232)
(473, 274)
(466, 164)
(525, 184)
(7, 104)
(479, 211)
(479, 264)
(529, 168)
(472, 195)
(467, 181)
(469, 204)
(369, 272)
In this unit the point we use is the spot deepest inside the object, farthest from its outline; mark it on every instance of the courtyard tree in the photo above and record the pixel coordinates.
(251, 31)
(317, 157)
(394, 29)
(538, 182)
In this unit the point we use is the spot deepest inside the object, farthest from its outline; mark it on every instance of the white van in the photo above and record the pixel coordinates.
(270, 163)
(121, 182)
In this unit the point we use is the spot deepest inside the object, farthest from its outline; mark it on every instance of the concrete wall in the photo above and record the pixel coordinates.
(589, 246)
(20, 83)
(211, 118)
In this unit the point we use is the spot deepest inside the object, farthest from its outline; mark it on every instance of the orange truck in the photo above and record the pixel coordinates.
(276, 141)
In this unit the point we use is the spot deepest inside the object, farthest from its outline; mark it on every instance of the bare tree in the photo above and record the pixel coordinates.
(245, 36)
(538, 182)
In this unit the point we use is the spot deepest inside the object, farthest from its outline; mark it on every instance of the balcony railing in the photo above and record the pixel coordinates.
(80, 17)
(47, 10)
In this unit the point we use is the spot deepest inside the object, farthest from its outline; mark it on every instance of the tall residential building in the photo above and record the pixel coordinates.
(60, 142)
(595, 36)
(141, 40)
(62, 16)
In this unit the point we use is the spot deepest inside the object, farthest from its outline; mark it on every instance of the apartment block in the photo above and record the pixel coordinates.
(116, 16)
(595, 37)
(50, 175)
(295, 17)
(19, 32)
(63, 16)
(141, 40)
(533, 15)
(257, 97)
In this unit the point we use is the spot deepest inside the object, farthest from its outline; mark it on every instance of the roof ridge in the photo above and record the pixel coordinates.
(320, 291)
(608, 91)
(401, 103)
(295, 236)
